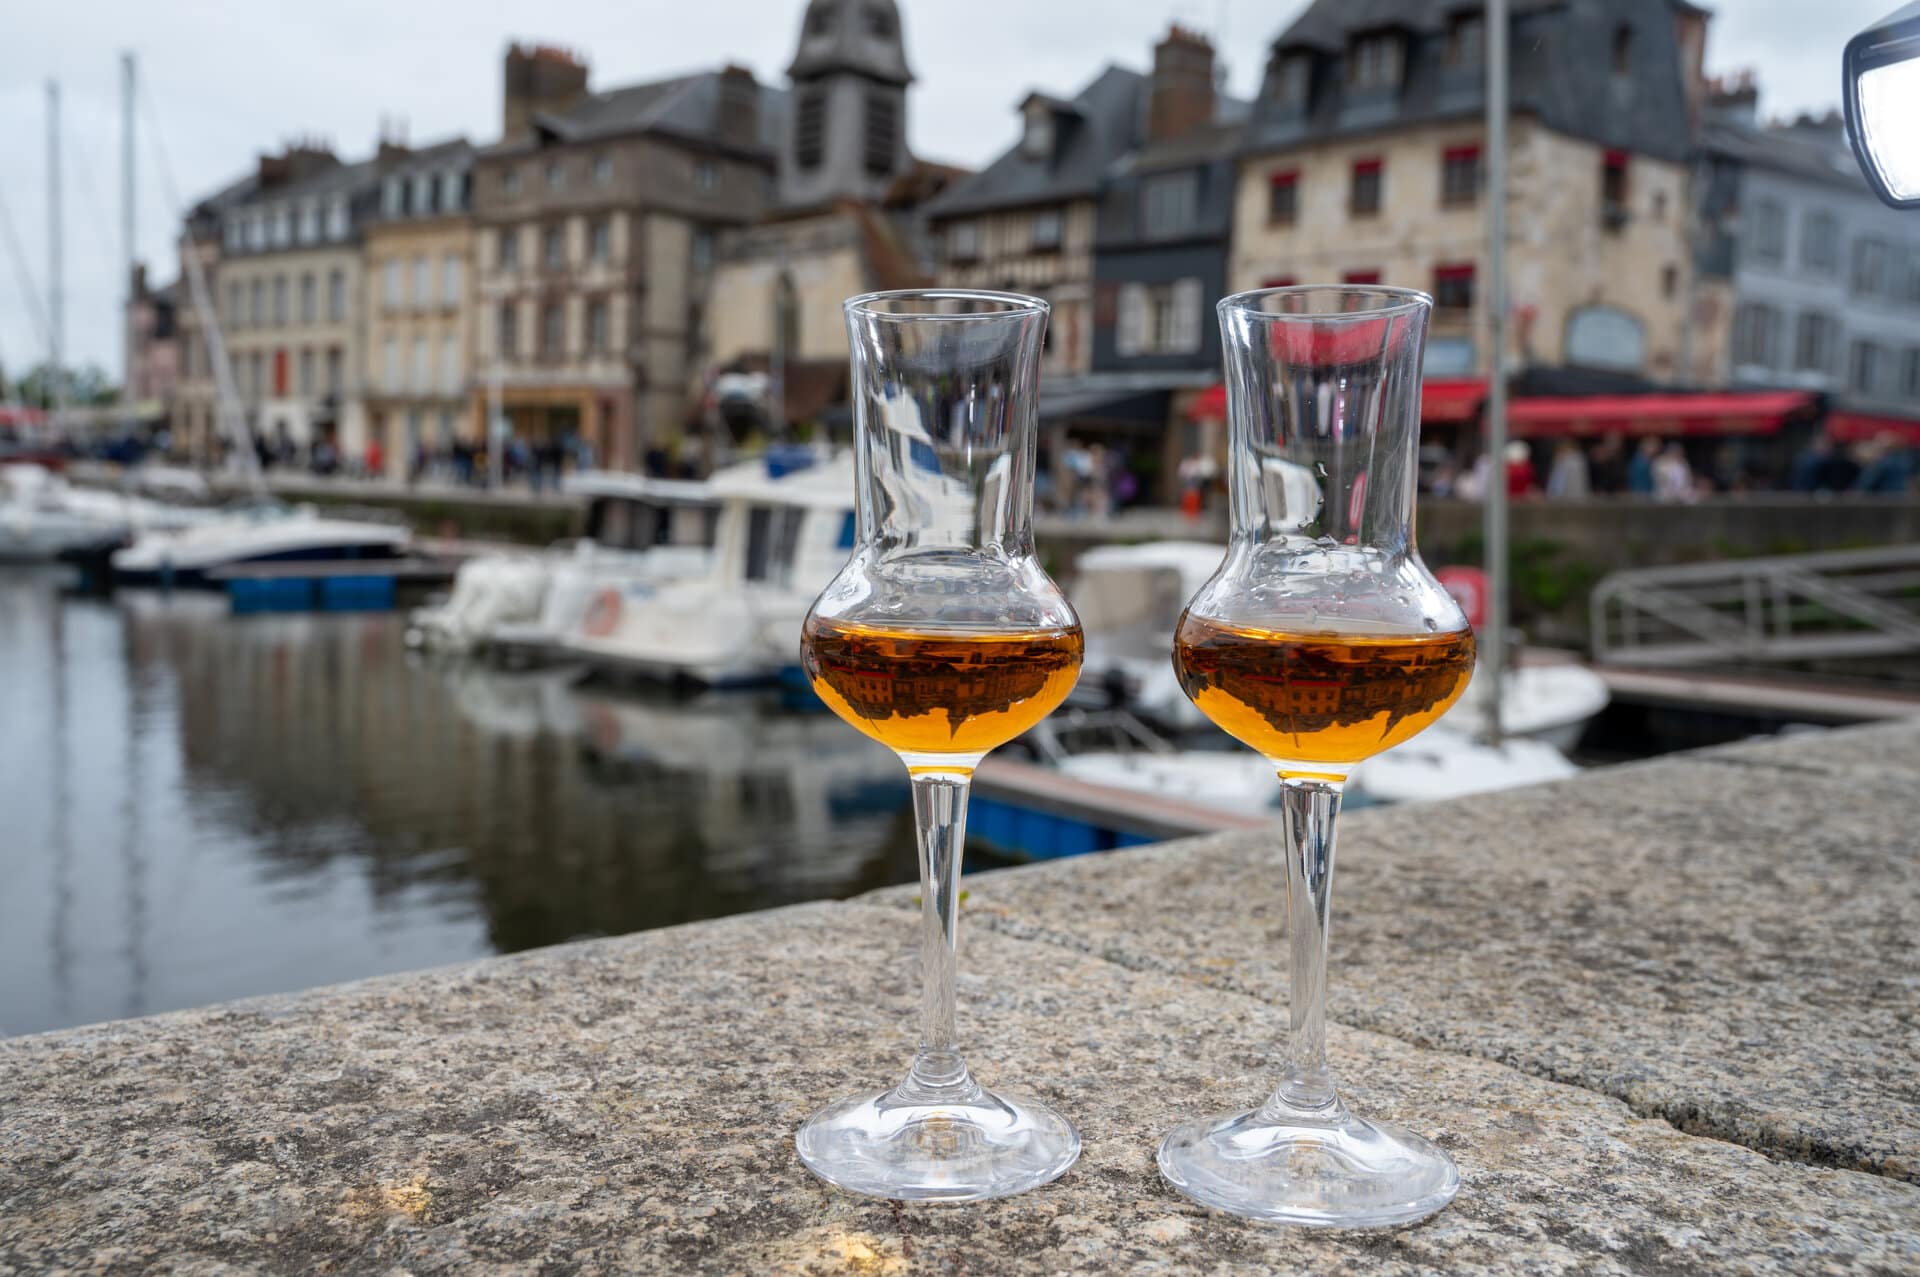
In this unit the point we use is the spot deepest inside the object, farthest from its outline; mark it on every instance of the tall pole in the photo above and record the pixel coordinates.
(1493, 634)
(56, 304)
(129, 254)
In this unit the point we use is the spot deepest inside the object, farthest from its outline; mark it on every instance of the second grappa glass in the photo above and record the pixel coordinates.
(1320, 642)
(942, 638)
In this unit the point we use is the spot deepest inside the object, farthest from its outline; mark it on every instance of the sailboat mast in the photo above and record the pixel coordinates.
(128, 252)
(56, 303)
(1493, 633)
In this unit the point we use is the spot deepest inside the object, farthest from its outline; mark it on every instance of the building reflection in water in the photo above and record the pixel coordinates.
(206, 807)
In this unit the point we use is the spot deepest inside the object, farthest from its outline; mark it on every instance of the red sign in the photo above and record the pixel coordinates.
(1469, 589)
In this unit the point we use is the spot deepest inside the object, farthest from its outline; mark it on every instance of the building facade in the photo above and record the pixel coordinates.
(1824, 278)
(290, 291)
(1363, 163)
(199, 435)
(153, 347)
(596, 219)
(419, 304)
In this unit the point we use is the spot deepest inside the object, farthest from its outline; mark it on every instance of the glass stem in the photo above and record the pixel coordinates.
(940, 821)
(1308, 810)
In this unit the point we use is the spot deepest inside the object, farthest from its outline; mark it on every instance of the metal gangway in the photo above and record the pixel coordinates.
(1782, 608)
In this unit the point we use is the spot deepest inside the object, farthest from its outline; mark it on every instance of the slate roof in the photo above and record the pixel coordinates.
(685, 105)
(1561, 73)
(1796, 152)
(1108, 124)
(438, 155)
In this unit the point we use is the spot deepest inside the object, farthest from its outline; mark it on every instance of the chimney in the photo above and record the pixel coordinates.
(1734, 99)
(738, 123)
(300, 158)
(1690, 33)
(538, 77)
(1180, 98)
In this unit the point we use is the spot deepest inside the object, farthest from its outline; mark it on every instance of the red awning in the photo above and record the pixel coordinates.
(1441, 400)
(1855, 427)
(1760, 413)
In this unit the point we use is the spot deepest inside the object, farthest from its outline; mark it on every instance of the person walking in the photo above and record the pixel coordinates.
(1568, 479)
(1672, 476)
(1640, 468)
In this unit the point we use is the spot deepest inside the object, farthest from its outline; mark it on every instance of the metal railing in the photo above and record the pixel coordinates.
(1784, 608)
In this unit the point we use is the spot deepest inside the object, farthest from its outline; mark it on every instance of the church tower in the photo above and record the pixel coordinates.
(847, 127)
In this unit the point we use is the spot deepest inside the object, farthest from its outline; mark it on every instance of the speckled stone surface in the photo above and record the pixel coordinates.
(1729, 940)
(629, 1105)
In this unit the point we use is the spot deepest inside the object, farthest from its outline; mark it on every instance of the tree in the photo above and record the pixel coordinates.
(84, 386)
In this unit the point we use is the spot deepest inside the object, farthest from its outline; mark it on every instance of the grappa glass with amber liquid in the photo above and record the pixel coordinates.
(1321, 641)
(942, 638)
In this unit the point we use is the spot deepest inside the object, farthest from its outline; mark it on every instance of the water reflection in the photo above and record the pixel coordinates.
(203, 807)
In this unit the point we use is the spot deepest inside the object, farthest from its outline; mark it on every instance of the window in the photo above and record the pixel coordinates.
(1613, 189)
(234, 234)
(1374, 62)
(1669, 280)
(706, 175)
(1170, 204)
(1769, 243)
(603, 170)
(257, 303)
(1363, 199)
(702, 251)
(1820, 243)
(423, 193)
(393, 194)
(963, 241)
(597, 325)
(337, 218)
(552, 329)
(510, 181)
(422, 282)
(282, 224)
(882, 131)
(390, 364)
(1160, 319)
(335, 362)
(1870, 266)
(337, 296)
(279, 300)
(1864, 371)
(1813, 339)
(556, 175)
(1045, 230)
(422, 373)
(282, 375)
(310, 222)
(1278, 281)
(810, 129)
(452, 279)
(1283, 198)
(1466, 40)
(553, 247)
(390, 284)
(1453, 286)
(1623, 50)
(1361, 278)
(257, 374)
(1036, 139)
(507, 334)
(449, 364)
(1756, 336)
(506, 247)
(236, 314)
(257, 231)
(309, 299)
(306, 373)
(1296, 79)
(1459, 175)
(599, 239)
(1910, 373)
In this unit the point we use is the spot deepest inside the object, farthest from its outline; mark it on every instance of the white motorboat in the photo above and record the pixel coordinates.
(1551, 704)
(39, 520)
(639, 530)
(261, 534)
(785, 527)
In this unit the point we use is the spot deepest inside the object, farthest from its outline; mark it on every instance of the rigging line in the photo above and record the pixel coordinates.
(36, 304)
(91, 198)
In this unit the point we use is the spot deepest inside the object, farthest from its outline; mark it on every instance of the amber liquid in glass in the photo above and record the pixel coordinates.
(1320, 698)
(939, 691)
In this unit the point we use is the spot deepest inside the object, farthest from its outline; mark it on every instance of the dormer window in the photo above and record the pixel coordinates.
(1037, 142)
(882, 132)
(1466, 41)
(1374, 62)
(1296, 73)
(820, 20)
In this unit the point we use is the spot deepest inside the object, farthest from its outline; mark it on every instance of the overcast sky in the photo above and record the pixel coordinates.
(227, 80)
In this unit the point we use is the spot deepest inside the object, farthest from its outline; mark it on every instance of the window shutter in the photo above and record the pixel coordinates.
(1133, 318)
(1187, 304)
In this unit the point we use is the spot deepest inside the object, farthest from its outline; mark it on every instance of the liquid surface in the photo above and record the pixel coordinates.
(1320, 698)
(934, 692)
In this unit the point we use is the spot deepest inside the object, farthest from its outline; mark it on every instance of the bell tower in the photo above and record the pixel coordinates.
(847, 125)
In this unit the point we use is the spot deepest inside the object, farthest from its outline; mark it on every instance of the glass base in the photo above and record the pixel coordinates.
(1322, 1167)
(961, 1144)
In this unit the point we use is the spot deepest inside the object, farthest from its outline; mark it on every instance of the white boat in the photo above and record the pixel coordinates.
(261, 534)
(781, 535)
(40, 521)
(1130, 597)
(639, 530)
(1113, 748)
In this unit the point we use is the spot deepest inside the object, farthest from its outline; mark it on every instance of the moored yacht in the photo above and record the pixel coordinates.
(259, 534)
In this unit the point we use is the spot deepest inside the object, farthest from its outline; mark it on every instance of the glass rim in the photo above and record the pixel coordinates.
(1395, 302)
(1010, 304)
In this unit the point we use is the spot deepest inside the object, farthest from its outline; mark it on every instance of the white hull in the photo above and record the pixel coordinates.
(257, 537)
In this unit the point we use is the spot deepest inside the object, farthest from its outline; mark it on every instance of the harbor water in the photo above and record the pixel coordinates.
(197, 806)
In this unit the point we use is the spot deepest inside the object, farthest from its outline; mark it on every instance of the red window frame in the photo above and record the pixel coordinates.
(1361, 277)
